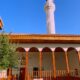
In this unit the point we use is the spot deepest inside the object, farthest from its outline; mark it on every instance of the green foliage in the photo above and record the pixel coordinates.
(8, 54)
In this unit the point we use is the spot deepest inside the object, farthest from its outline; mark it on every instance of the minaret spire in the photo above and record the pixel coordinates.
(50, 9)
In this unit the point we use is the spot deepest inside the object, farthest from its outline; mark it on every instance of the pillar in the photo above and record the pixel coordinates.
(67, 62)
(79, 56)
(54, 66)
(26, 66)
(40, 64)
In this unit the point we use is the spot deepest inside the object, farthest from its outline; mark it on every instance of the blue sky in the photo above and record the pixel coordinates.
(28, 16)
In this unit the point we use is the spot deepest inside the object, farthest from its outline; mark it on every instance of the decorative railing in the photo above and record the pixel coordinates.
(75, 73)
(61, 73)
(10, 77)
(46, 75)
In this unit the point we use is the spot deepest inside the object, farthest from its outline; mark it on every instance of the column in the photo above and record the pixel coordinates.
(26, 66)
(54, 66)
(79, 56)
(67, 62)
(40, 64)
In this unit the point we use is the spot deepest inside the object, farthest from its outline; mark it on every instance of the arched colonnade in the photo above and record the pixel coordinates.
(50, 59)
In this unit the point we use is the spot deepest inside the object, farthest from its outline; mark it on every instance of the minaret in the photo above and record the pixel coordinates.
(50, 9)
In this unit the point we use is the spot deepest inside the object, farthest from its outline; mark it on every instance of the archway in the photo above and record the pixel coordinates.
(22, 55)
(47, 64)
(73, 60)
(60, 61)
(22, 62)
(33, 60)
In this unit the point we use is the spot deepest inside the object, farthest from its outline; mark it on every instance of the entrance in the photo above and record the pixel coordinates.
(35, 72)
(22, 74)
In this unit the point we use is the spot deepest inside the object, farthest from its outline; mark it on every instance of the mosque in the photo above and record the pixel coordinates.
(47, 56)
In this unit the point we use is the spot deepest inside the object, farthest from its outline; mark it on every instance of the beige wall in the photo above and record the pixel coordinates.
(73, 60)
(60, 61)
(47, 61)
(33, 60)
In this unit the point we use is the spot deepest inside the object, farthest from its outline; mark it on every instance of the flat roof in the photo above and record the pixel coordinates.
(44, 38)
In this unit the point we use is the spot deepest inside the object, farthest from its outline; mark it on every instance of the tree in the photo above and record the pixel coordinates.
(8, 54)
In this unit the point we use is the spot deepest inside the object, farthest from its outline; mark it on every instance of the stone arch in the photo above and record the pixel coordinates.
(73, 58)
(33, 59)
(60, 59)
(47, 63)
